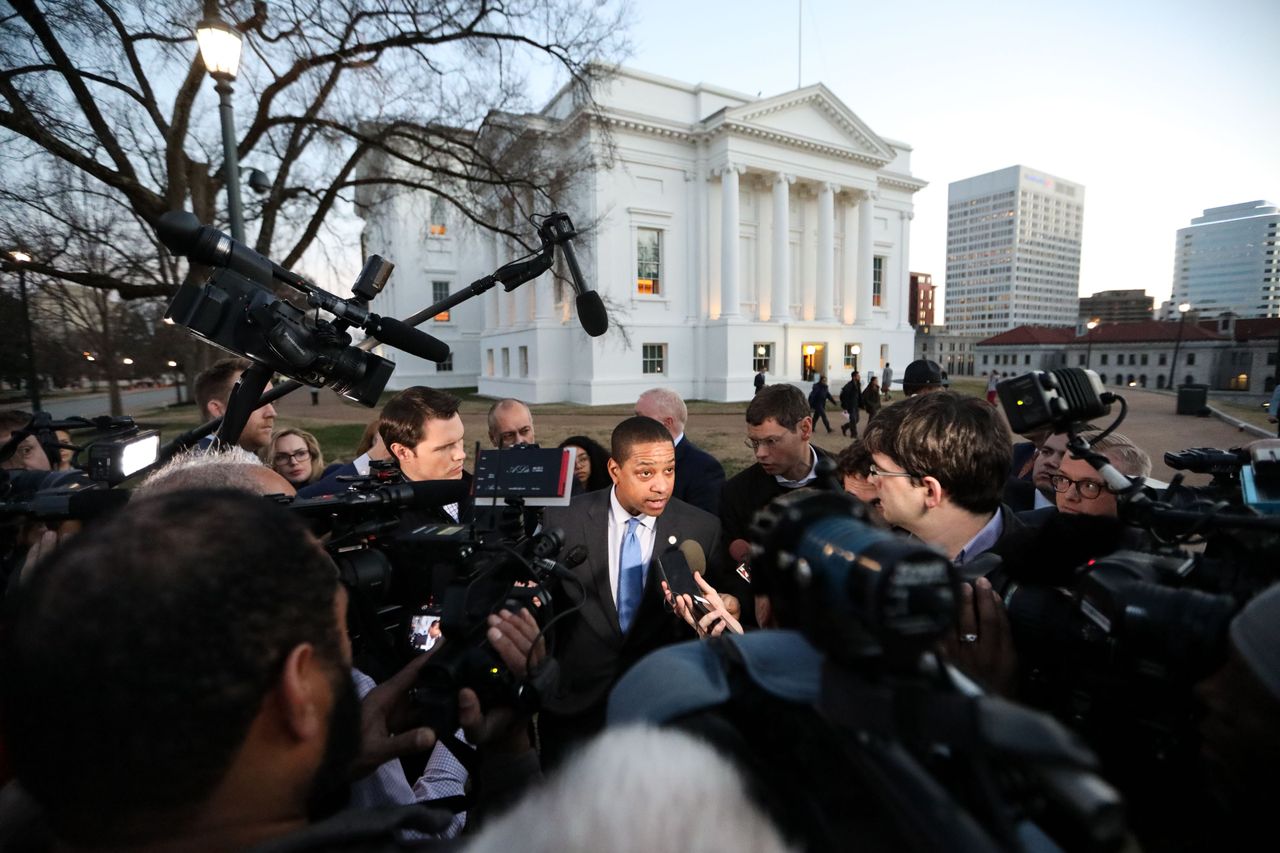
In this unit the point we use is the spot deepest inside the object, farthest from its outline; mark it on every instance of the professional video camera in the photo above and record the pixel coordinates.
(1113, 644)
(113, 450)
(913, 741)
(411, 579)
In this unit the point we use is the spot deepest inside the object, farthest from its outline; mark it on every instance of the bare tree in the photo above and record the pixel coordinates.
(101, 118)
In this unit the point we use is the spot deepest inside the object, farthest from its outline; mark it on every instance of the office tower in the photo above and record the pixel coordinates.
(1226, 260)
(1013, 251)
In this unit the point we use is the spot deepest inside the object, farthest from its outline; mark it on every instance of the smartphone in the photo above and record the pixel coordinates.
(680, 580)
(424, 629)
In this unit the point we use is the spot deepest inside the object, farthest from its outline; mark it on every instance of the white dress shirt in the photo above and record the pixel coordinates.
(646, 533)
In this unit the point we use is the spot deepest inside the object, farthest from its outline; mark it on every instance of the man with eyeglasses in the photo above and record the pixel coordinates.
(1080, 489)
(779, 433)
(939, 464)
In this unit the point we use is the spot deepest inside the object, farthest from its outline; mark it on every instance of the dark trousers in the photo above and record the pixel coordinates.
(851, 427)
(821, 412)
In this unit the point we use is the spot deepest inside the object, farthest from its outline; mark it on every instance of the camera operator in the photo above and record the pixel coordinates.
(1080, 488)
(213, 391)
(28, 455)
(423, 431)
(215, 652)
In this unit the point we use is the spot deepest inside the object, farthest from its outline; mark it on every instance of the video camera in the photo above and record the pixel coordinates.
(407, 571)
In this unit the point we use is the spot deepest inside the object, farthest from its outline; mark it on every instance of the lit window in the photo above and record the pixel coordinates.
(648, 261)
(440, 292)
(762, 357)
(877, 280)
(437, 226)
(653, 358)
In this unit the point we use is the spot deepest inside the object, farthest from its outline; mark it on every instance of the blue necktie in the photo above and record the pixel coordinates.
(630, 575)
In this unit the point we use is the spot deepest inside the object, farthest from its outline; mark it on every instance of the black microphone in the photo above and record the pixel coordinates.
(591, 313)
(404, 337)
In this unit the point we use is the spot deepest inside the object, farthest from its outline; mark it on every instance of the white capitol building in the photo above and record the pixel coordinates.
(730, 233)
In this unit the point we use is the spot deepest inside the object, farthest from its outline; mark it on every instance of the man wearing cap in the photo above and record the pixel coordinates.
(922, 377)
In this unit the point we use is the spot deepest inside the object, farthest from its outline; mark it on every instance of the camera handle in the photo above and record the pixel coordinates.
(242, 403)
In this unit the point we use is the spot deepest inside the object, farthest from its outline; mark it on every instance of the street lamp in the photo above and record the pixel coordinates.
(220, 51)
(1088, 352)
(20, 259)
(855, 351)
(177, 381)
(1182, 310)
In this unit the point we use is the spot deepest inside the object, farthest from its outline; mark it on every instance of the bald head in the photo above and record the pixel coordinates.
(666, 407)
(510, 423)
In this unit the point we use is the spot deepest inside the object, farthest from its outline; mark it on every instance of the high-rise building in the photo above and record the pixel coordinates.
(920, 312)
(1116, 306)
(1013, 251)
(1226, 260)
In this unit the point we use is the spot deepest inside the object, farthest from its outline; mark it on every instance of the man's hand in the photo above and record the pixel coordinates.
(383, 715)
(982, 643)
(715, 621)
(512, 636)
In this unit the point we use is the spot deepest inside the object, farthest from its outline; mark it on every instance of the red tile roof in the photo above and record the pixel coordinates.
(1257, 327)
(1148, 331)
(1024, 335)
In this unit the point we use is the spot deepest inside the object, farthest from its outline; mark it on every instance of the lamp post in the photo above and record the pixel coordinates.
(220, 51)
(20, 260)
(855, 351)
(177, 381)
(1088, 350)
(1182, 319)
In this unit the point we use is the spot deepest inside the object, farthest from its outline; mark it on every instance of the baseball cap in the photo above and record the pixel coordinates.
(922, 372)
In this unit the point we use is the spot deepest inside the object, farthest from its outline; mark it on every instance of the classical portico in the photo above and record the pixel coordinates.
(729, 234)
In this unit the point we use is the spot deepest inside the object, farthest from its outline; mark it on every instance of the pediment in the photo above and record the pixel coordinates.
(812, 115)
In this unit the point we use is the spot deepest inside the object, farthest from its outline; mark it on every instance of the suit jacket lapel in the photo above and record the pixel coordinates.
(597, 538)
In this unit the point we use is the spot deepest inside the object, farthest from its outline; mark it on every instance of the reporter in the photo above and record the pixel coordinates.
(295, 455)
(712, 623)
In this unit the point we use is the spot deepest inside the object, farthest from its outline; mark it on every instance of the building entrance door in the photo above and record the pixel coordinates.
(813, 361)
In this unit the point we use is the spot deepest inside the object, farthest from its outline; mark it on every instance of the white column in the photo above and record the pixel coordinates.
(826, 253)
(903, 296)
(849, 264)
(781, 279)
(866, 252)
(528, 310)
(544, 301)
(730, 300)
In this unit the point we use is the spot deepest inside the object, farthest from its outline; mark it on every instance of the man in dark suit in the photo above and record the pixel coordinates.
(626, 530)
(699, 475)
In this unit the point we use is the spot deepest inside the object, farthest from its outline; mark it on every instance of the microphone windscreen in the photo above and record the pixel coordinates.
(177, 229)
(694, 556)
(740, 550)
(577, 556)
(403, 337)
(591, 313)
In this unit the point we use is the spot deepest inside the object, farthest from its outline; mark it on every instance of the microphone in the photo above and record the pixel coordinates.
(591, 313)
(405, 337)
(695, 556)
(740, 551)
(182, 234)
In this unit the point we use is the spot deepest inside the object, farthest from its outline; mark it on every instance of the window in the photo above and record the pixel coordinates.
(1102, 377)
(984, 359)
(877, 281)
(1103, 358)
(762, 357)
(1271, 358)
(438, 220)
(1191, 359)
(1026, 359)
(1132, 358)
(488, 362)
(524, 361)
(1080, 359)
(851, 353)
(1160, 381)
(445, 366)
(1144, 359)
(440, 292)
(506, 361)
(648, 261)
(653, 358)
(1164, 359)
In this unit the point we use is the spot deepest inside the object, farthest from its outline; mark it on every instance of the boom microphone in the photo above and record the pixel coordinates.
(591, 313)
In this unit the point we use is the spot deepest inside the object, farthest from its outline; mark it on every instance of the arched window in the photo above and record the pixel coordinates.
(1142, 380)
(1160, 381)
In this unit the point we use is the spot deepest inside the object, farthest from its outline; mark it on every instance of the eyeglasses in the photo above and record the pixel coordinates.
(1087, 489)
(876, 472)
(770, 442)
(296, 456)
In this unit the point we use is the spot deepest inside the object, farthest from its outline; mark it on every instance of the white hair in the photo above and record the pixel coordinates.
(637, 789)
(671, 403)
(230, 468)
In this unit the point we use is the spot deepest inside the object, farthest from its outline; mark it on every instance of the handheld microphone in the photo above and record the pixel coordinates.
(740, 551)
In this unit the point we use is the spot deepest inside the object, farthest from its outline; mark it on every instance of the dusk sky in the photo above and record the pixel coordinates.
(1160, 109)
